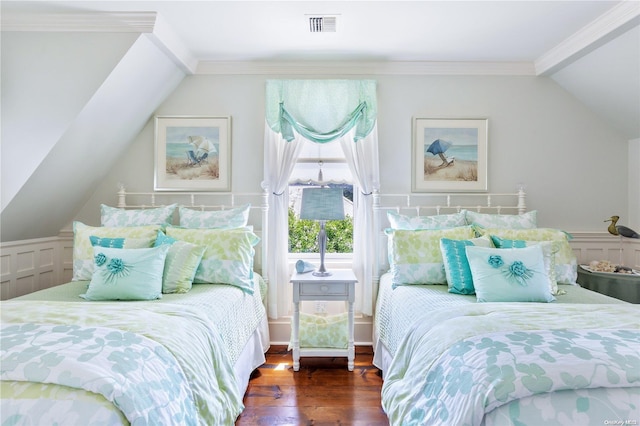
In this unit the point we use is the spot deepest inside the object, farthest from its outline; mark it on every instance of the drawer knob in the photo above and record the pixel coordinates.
(324, 288)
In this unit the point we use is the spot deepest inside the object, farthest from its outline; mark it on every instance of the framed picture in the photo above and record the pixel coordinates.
(449, 155)
(192, 154)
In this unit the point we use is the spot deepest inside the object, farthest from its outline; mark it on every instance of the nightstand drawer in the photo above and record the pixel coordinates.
(323, 289)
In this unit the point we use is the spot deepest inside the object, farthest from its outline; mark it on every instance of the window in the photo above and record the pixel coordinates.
(320, 164)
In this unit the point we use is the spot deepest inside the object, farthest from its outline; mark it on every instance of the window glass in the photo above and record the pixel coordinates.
(320, 165)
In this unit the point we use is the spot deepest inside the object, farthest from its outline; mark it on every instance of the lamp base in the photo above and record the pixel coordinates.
(321, 274)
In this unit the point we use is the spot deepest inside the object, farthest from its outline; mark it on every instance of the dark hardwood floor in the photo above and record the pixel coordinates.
(322, 393)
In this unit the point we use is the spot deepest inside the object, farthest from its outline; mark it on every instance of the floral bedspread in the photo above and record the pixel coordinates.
(120, 337)
(518, 364)
(136, 374)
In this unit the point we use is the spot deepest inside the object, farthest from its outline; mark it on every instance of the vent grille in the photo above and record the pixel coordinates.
(322, 24)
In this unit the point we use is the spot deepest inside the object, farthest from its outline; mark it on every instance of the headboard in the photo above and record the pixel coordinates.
(427, 204)
(258, 215)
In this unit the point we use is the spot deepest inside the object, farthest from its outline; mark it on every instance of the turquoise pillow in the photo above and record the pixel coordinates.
(127, 274)
(182, 262)
(456, 265)
(509, 275)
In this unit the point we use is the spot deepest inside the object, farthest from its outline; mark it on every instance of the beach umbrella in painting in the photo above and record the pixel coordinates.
(438, 147)
(202, 144)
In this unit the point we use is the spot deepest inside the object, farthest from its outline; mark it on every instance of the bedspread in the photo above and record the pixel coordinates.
(136, 374)
(457, 365)
(184, 331)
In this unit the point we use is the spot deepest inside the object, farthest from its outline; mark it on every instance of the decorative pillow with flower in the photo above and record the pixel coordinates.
(549, 250)
(127, 274)
(410, 223)
(526, 220)
(509, 275)
(228, 257)
(112, 216)
(130, 237)
(415, 256)
(566, 262)
(227, 219)
(181, 265)
(456, 265)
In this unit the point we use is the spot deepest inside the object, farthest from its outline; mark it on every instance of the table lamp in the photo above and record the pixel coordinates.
(322, 204)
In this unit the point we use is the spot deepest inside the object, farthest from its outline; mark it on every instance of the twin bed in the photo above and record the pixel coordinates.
(178, 352)
(463, 337)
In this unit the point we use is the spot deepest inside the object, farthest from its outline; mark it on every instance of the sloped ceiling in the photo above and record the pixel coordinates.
(591, 48)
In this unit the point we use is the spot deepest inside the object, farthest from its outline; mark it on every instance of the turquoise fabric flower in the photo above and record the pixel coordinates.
(518, 272)
(100, 259)
(495, 261)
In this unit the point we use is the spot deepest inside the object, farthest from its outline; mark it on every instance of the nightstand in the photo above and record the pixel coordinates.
(338, 286)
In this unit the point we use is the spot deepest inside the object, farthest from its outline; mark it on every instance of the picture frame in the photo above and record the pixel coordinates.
(449, 154)
(192, 153)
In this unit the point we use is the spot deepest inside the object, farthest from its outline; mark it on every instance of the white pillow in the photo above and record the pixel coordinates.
(221, 219)
(526, 220)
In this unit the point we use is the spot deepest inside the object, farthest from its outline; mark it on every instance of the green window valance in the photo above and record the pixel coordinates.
(321, 110)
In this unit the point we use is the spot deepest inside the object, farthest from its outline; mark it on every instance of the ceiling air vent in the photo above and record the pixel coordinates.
(322, 24)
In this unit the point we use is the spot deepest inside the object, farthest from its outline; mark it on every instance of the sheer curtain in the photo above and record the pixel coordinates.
(320, 111)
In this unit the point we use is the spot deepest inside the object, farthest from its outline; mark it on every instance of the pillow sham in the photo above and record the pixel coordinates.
(398, 221)
(228, 256)
(134, 237)
(509, 275)
(566, 262)
(112, 216)
(318, 331)
(526, 220)
(456, 265)
(182, 262)
(127, 274)
(415, 257)
(549, 249)
(227, 219)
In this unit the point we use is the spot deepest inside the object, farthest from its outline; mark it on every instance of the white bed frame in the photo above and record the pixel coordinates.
(252, 355)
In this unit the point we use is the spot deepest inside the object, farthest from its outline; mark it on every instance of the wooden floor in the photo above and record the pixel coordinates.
(323, 392)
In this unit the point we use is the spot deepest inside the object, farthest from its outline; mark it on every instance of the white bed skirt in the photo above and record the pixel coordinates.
(252, 355)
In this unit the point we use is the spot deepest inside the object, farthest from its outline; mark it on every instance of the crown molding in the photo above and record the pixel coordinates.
(149, 23)
(614, 22)
(364, 68)
(120, 22)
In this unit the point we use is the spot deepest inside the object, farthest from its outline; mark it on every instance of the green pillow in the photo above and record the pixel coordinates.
(181, 265)
(319, 331)
(456, 265)
(232, 218)
(415, 256)
(509, 275)
(134, 237)
(127, 274)
(228, 257)
(111, 216)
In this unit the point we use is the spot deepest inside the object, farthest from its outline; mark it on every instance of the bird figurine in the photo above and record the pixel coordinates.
(620, 230)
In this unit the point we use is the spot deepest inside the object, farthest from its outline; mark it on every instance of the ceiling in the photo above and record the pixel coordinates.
(541, 37)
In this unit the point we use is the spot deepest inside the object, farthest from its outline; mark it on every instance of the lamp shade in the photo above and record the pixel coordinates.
(322, 204)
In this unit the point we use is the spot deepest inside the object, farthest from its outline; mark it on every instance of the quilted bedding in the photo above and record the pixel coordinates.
(517, 363)
(89, 362)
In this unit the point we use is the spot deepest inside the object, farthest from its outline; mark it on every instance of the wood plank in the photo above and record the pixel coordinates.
(323, 392)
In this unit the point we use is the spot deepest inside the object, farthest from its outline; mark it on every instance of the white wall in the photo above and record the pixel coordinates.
(633, 219)
(573, 165)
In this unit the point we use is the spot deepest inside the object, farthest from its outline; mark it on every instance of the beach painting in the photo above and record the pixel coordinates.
(192, 154)
(449, 155)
